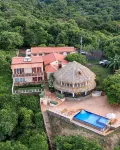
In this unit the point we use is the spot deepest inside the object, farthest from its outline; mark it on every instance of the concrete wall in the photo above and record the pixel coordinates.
(78, 99)
(27, 70)
(28, 79)
(58, 116)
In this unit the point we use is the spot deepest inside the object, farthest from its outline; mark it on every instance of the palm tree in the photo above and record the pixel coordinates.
(115, 62)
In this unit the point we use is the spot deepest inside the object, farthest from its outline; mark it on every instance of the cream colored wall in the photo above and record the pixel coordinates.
(54, 63)
(28, 70)
(28, 79)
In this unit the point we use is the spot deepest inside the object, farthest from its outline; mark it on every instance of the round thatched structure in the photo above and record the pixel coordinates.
(75, 79)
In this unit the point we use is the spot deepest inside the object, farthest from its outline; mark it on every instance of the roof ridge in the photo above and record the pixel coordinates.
(53, 66)
(54, 56)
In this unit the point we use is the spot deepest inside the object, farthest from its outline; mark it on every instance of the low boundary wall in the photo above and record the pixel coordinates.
(78, 99)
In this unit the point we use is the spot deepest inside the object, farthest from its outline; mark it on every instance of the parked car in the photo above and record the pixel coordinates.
(103, 62)
(83, 52)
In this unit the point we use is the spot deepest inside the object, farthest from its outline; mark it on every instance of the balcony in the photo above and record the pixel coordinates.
(25, 91)
(28, 74)
(27, 83)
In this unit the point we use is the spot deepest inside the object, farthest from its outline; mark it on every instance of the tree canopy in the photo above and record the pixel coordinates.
(25, 23)
(76, 57)
(75, 142)
(112, 88)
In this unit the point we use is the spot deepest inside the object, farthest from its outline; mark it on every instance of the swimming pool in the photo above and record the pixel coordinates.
(91, 119)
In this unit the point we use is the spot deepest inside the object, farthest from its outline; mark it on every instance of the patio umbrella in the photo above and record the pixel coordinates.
(111, 116)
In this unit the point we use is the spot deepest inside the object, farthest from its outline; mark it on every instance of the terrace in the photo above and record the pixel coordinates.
(97, 105)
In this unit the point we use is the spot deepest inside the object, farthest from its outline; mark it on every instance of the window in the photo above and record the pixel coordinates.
(33, 70)
(22, 79)
(34, 79)
(16, 80)
(39, 78)
(19, 80)
(19, 70)
(39, 69)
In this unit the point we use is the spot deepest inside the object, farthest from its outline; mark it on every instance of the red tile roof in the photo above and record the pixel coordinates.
(26, 65)
(20, 60)
(49, 58)
(38, 50)
(50, 69)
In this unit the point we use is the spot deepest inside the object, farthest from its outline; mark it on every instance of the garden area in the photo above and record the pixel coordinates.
(99, 70)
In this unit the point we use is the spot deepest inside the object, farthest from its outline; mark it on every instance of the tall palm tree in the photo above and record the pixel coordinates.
(115, 62)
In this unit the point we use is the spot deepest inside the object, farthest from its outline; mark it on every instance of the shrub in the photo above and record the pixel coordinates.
(59, 95)
(76, 57)
(42, 94)
(112, 88)
(54, 102)
(50, 83)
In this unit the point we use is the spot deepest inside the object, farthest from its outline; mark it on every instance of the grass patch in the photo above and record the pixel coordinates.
(100, 71)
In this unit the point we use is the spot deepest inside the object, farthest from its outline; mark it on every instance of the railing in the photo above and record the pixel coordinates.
(26, 83)
(28, 74)
(27, 91)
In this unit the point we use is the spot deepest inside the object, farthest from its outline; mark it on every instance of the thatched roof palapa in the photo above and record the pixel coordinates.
(74, 73)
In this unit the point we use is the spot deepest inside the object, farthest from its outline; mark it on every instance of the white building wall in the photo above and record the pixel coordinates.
(27, 70)
(28, 79)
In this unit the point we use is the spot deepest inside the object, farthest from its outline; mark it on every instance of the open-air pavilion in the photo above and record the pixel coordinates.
(74, 80)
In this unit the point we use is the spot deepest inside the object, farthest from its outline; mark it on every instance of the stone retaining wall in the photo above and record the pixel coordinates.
(58, 116)
(76, 124)
(78, 99)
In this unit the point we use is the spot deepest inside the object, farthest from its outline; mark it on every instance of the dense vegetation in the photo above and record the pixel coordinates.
(21, 122)
(76, 57)
(112, 88)
(76, 142)
(53, 22)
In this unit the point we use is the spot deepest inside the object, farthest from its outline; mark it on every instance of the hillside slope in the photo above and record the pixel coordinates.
(54, 22)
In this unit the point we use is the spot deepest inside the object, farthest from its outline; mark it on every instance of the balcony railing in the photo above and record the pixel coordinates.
(27, 91)
(28, 74)
(26, 83)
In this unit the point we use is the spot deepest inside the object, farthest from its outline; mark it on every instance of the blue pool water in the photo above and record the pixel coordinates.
(92, 119)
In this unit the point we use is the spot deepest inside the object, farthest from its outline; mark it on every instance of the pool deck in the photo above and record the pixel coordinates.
(98, 105)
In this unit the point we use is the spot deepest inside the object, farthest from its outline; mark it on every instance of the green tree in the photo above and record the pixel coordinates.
(76, 57)
(112, 46)
(38, 141)
(8, 145)
(39, 121)
(115, 62)
(10, 40)
(112, 88)
(8, 122)
(50, 83)
(31, 104)
(75, 142)
(25, 117)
